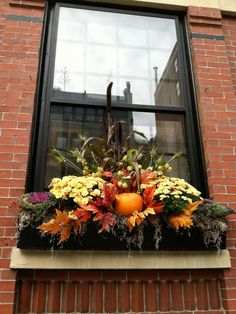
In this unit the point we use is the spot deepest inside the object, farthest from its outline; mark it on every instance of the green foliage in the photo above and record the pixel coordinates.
(174, 205)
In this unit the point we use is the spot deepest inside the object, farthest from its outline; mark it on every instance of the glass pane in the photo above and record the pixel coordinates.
(94, 47)
(166, 131)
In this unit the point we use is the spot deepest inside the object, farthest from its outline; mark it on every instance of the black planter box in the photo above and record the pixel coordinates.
(31, 238)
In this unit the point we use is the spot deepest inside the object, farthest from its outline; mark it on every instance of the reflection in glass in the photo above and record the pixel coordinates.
(166, 131)
(95, 47)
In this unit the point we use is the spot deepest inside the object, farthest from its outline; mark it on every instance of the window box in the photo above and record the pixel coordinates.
(31, 238)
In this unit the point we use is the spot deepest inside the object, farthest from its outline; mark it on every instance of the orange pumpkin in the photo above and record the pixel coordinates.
(127, 203)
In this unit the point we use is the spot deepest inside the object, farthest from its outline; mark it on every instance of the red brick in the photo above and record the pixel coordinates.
(83, 301)
(8, 274)
(142, 275)
(123, 297)
(110, 297)
(176, 295)
(201, 295)
(151, 296)
(137, 297)
(7, 297)
(174, 275)
(114, 275)
(39, 297)
(7, 308)
(10, 232)
(229, 293)
(4, 263)
(51, 275)
(25, 297)
(8, 285)
(96, 302)
(212, 312)
(85, 275)
(26, 274)
(4, 192)
(6, 252)
(68, 297)
(229, 283)
(206, 274)
(214, 294)
(54, 297)
(164, 296)
(189, 295)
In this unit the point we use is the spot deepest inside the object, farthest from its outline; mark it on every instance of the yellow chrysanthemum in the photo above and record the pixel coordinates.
(81, 189)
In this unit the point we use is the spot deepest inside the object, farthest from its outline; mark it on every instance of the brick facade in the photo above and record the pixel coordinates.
(213, 50)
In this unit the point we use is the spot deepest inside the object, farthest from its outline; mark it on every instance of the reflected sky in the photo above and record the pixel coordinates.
(94, 47)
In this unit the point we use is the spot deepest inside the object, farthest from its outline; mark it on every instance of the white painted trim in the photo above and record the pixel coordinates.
(39, 259)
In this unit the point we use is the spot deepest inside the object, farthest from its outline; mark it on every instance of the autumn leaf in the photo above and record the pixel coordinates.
(99, 202)
(148, 199)
(138, 217)
(82, 214)
(135, 219)
(55, 225)
(192, 207)
(76, 226)
(149, 211)
(148, 195)
(109, 197)
(65, 233)
(147, 177)
(63, 224)
(106, 220)
(181, 220)
(109, 192)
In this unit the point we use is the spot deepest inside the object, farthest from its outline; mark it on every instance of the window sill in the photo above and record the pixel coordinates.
(42, 259)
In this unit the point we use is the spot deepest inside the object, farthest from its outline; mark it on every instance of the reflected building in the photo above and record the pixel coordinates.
(167, 91)
(171, 135)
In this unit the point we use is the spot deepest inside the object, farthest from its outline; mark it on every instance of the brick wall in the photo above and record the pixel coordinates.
(213, 56)
(212, 40)
(120, 292)
(20, 36)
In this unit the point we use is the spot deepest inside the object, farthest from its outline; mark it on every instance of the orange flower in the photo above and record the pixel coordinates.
(182, 220)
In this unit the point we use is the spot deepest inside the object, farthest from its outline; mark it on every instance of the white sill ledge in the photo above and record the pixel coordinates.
(40, 259)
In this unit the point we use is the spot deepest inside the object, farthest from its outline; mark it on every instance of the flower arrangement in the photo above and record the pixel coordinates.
(121, 190)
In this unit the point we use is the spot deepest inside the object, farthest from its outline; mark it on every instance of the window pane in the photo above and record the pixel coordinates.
(165, 130)
(94, 47)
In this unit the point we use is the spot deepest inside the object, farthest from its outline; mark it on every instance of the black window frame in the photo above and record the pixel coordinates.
(44, 99)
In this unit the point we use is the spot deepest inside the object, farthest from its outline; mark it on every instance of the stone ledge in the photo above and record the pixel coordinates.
(39, 259)
(33, 4)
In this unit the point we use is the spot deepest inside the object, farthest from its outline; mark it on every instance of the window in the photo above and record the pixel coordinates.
(144, 55)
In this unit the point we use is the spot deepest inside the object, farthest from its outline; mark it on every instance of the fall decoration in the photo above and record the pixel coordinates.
(121, 191)
(127, 203)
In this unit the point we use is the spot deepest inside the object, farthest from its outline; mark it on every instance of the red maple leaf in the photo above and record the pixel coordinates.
(82, 214)
(106, 220)
(147, 177)
(149, 201)
(148, 195)
(109, 193)
(99, 202)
